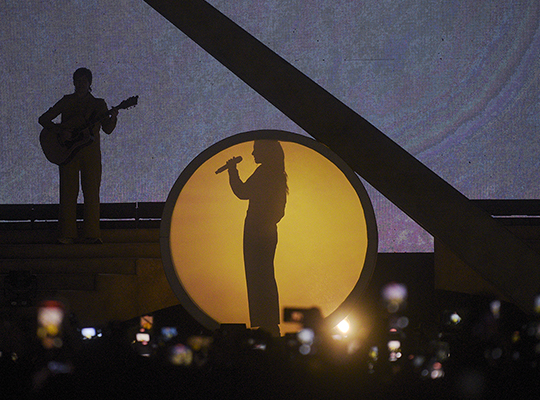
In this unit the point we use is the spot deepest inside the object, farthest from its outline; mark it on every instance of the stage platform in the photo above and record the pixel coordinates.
(123, 278)
(117, 280)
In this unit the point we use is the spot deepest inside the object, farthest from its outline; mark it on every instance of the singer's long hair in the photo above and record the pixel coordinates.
(271, 156)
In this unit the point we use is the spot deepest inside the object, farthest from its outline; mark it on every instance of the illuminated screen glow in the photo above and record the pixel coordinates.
(455, 83)
(326, 238)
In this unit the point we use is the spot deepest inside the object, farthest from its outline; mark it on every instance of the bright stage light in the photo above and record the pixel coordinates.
(344, 326)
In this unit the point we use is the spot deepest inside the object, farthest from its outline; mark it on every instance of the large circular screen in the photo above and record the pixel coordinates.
(263, 221)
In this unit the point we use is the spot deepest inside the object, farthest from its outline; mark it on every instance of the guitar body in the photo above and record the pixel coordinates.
(61, 153)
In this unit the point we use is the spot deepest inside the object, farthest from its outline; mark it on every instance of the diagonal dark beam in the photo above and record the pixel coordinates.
(497, 255)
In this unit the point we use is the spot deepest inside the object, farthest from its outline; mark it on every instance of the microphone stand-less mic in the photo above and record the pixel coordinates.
(235, 160)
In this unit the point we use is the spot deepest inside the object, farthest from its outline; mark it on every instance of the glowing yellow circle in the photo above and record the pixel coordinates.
(326, 240)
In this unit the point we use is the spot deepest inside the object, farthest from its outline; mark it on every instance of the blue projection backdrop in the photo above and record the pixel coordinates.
(455, 83)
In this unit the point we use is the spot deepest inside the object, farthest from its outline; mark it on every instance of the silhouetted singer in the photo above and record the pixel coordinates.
(266, 189)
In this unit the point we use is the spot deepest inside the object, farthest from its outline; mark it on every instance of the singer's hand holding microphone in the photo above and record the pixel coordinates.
(229, 164)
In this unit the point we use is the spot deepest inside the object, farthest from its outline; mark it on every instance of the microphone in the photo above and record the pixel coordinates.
(235, 160)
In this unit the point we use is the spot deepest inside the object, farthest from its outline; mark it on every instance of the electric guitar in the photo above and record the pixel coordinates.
(61, 152)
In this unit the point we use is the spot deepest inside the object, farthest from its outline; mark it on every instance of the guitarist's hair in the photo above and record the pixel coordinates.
(83, 72)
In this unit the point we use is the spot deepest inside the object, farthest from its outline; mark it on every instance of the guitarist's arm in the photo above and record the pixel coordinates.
(108, 122)
(46, 120)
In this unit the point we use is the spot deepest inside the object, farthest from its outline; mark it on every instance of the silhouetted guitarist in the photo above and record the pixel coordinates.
(75, 110)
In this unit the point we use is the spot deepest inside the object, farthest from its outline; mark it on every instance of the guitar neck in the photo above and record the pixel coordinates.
(96, 119)
(130, 102)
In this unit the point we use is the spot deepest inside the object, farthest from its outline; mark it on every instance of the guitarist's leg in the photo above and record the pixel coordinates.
(69, 190)
(91, 181)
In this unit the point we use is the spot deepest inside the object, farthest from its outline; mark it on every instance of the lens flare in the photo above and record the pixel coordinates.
(344, 326)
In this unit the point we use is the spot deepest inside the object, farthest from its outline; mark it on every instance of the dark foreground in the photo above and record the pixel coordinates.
(483, 352)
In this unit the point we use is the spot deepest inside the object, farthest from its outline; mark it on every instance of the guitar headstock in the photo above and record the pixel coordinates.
(129, 102)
